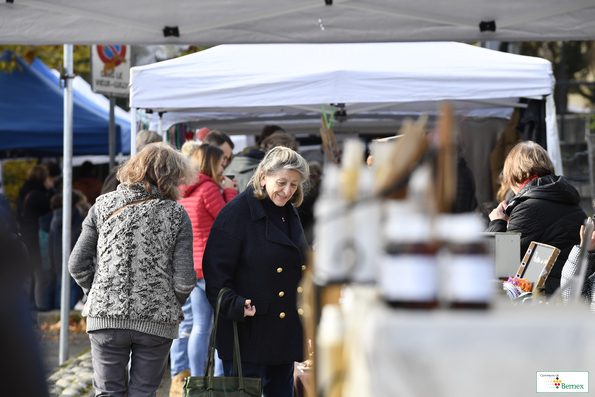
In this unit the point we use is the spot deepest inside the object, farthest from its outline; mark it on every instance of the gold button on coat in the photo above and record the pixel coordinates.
(300, 311)
(281, 294)
(279, 269)
(303, 267)
(282, 315)
(300, 290)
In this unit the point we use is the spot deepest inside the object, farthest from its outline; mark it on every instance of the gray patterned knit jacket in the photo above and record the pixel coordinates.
(570, 269)
(144, 270)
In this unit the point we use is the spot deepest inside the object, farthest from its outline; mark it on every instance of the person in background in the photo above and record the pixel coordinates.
(257, 249)
(201, 133)
(243, 165)
(87, 183)
(55, 247)
(55, 175)
(545, 207)
(306, 210)
(7, 215)
(179, 360)
(267, 131)
(141, 239)
(571, 268)
(22, 371)
(223, 142)
(203, 201)
(465, 200)
(143, 138)
(189, 147)
(33, 202)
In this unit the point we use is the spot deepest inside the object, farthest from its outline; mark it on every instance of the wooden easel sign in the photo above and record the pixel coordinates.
(537, 263)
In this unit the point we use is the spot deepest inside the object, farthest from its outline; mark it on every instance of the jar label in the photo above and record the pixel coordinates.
(408, 278)
(467, 278)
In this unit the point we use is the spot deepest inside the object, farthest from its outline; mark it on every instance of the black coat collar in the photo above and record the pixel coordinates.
(273, 233)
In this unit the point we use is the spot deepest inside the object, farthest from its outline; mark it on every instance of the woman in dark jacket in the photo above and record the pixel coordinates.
(545, 208)
(33, 202)
(257, 249)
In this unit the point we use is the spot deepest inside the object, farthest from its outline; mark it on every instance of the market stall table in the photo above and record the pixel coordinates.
(495, 352)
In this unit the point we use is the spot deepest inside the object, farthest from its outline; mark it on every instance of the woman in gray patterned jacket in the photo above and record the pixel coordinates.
(142, 240)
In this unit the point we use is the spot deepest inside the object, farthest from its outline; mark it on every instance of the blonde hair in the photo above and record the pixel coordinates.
(206, 158)
(160, 165)
(525, 160)
(189, 147)
(277, 159)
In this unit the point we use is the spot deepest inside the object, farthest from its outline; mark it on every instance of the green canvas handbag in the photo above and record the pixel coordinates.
(212, 386)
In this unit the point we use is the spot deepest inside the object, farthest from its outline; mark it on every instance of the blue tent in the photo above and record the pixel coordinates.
(32, 114)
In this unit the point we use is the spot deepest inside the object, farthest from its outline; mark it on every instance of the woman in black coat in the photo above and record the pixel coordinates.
(257, 249)
(545, 208)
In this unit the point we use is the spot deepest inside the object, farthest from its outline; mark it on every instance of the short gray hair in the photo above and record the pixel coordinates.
(277, 159)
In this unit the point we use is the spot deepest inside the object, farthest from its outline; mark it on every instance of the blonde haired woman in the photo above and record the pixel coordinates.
(203, 201)
(257, 249)
(142, 239)
(545, 207)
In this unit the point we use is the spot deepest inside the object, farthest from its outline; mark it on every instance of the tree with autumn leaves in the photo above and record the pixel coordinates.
(51, 55)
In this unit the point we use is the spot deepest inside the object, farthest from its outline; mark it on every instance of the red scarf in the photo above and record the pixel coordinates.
(527, 181)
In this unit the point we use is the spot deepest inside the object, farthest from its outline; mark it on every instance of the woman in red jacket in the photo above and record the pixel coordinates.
(203, 201)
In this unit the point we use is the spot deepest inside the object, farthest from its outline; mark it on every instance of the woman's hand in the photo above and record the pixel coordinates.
(591, 242)
(229, 183)
(249, 309)
(498, 212)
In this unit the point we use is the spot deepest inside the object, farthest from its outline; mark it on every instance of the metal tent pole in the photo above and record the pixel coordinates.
(112, 132)
(67, 203)
(132, 131)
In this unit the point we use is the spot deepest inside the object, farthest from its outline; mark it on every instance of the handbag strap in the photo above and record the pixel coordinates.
(237, 360)
(136, 202)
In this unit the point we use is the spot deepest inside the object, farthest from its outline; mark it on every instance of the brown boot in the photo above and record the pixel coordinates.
(177, 383)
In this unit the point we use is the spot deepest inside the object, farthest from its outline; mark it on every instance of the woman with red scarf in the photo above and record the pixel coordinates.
(545, 207)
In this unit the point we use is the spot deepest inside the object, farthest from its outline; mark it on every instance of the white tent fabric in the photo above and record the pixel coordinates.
(309, 122)
(296, 79)
(260, 78)
(209, 22)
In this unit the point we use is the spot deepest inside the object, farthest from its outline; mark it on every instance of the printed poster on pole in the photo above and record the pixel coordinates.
(110, 69)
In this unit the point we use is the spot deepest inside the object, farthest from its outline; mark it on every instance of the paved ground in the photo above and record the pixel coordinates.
(49, 343)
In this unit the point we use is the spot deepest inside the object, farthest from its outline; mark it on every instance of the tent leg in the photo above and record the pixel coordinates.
(112, 132)
(67, 204)
(553, 140)
(132, 131)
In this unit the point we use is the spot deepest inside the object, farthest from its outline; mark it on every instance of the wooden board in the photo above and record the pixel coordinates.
(537, 263)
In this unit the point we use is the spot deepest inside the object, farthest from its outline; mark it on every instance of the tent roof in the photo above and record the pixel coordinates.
(32, 114)
(210, 22)
(285, 78)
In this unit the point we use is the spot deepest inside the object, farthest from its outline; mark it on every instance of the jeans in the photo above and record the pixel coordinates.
(113, 348)
(276, 380)
(179, 347)
(198, 343)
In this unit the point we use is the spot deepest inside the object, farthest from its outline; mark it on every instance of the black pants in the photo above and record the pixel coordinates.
(276, 380)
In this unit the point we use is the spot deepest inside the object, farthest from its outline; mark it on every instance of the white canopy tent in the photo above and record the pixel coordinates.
(210, 22)
(295, 80)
